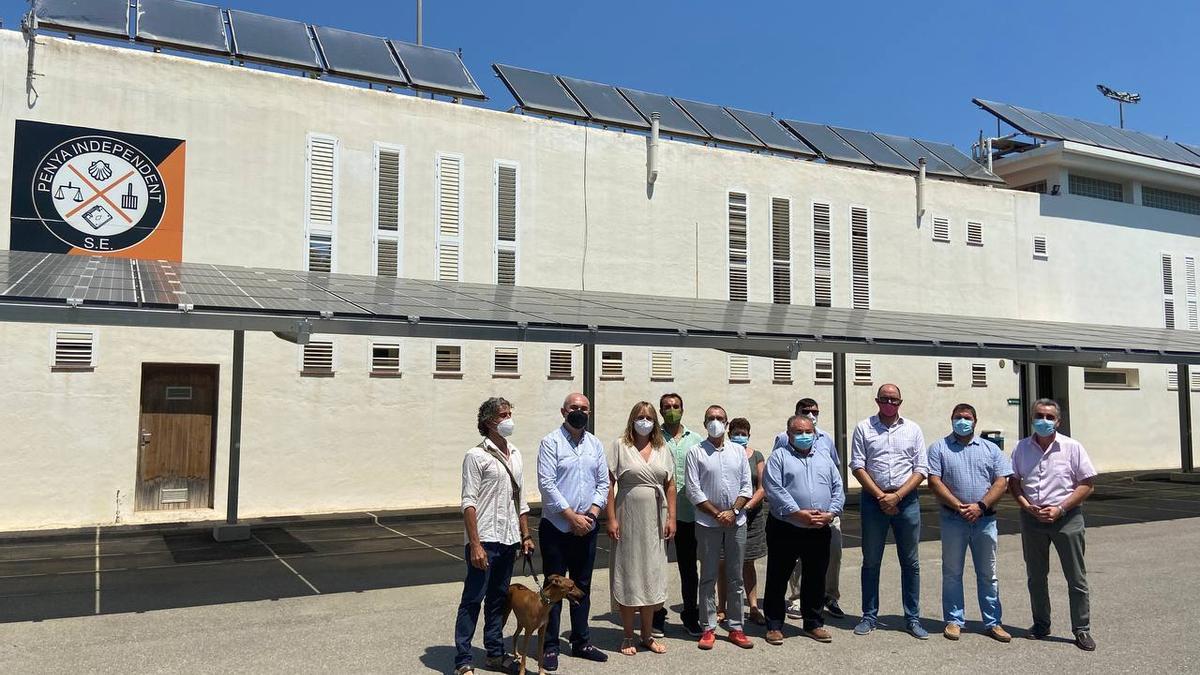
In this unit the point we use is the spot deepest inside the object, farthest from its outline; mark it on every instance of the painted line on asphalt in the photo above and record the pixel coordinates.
(439, 550)
(285, 564)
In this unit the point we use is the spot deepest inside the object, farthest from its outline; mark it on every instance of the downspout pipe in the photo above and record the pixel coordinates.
(652, 150)
(920, 190)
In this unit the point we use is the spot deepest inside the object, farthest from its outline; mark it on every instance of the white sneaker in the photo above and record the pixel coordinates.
(793, 610)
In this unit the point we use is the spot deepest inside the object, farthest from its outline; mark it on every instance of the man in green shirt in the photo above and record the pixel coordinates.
(680, 439)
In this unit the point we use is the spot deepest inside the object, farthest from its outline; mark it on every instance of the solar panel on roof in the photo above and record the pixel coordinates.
(439, 70)
(604, 104)
(671, 118)
(876, 150)
(108, 18)
(964, 164)
(768, 130)
(831, 146)
(1165, 149)
(269, 39)
(718, 123)
(1089, 135)
(183, 25)
(913, 151)
(539, 92)
(1015, 118)
(359, 56)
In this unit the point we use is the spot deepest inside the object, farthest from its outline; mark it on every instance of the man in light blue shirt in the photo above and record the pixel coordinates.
(804, 488)
(718, 484)
(968, 475)
(573, 479)
(833, 591)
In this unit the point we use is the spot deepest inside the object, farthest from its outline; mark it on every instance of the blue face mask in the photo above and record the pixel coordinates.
(803, 441)
(740, 439)
(963, 426)
(1043, 427)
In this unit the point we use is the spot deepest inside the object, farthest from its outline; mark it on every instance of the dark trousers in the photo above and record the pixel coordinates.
(488, 588)
(787, 543)
(689, 574)
(567, 555)
(1066, 535)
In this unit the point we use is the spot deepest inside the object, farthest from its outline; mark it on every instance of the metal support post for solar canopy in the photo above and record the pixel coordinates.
(840, 412)
(589, 382)
(1025, 377)
(231, 530)
(1183, 380)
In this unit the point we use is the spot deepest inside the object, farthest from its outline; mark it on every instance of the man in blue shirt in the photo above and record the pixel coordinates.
(968, 475)
(804, 489)
(573, 479)
(824, 443)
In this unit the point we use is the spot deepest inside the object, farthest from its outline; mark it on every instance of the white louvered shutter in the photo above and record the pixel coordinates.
(506, 361)
(860, 258)
(612, 365)
(739, 368)
(320, 252)
(562, 364)
(317, 358)
(979, 375)
(1041, 249)
(941, 229)
(447, 360)
(822, 370)
(662, 365)
(1189, 269)
(781, 371)
(506, 224)
(781, 251)
(387, 201)
(387, 257)
(945, 373)
(385, 358)
(74, 349)
(974, 234)
(449, 218)
(321, 202)
(738, 248)
(822, 256)
(862, 371)
(1168, 282)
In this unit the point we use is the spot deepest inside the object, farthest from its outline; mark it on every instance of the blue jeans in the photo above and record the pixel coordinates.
(487, 587)
(980, 537)
(568, 555)
(906, 528)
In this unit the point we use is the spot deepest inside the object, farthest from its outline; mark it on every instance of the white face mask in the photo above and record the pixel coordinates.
(643, 427)
(505, 427)
(811, 416)
(715, 428)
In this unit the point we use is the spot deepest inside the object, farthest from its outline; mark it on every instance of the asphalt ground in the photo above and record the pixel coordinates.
(377, 592)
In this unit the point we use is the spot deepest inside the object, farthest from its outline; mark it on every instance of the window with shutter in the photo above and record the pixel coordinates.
(974, 234)
(941, 229)
(507, 210)
(739, 369)
(562, 364)
(320, 208)
(385, 359)
(1041, 250)
(74, 350)
(506, 362)
(1111, 378)
(1189, 270)
(662, 366)
(612, 366)
(945, 373)
(317, 358)
(389, 179)
(387, 257)
(781, 371)
(1173, 379)
(979, 375)
(1168, 282)
(862, 371)
(738, 248)
(781, 251)
(822, 370)
(447, 360)
(822, 256)
(449, 217)
(860, 257)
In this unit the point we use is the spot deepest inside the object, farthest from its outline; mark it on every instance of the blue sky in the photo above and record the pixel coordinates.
(901, 67)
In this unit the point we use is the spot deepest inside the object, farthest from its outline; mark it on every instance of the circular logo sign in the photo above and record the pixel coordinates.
(98, 193)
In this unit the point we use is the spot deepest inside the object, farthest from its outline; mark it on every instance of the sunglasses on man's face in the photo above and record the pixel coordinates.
(893, 401)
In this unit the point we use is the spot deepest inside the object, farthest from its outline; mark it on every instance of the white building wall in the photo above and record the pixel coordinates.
(586, 220)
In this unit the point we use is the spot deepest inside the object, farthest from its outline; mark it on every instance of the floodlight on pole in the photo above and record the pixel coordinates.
(1121, 97)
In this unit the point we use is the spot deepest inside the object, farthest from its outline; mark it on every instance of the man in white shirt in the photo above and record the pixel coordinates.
(496, 523)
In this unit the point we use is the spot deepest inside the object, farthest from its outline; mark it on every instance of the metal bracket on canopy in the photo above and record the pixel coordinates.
(74, 302)
(299, 335)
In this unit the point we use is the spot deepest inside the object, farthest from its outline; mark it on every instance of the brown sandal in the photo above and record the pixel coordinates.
(631, 645)
(654, 645)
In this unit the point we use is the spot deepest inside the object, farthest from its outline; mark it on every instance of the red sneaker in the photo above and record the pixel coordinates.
(708, 639)
(739, 638)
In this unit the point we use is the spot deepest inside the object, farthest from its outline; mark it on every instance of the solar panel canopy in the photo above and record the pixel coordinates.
(718, 123)
(271, 40)
(539, 92)
(671, 118)
(189, 26)
(359, 56)
(439, 70)
(827, 143)
(874, 149)
(108, 18)
(768, 130)
(604, 104)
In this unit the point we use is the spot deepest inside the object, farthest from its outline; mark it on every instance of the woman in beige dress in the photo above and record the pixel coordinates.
(641, 519)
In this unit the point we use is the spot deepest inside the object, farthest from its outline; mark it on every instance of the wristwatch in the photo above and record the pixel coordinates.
(736, 512)
(983, 508)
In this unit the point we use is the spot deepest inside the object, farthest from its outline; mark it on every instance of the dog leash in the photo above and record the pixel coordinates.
(527, 564)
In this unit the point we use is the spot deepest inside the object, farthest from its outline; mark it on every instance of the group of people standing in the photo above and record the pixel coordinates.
(724, 505)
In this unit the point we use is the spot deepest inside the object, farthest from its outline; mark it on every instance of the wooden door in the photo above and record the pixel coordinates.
(176, 437)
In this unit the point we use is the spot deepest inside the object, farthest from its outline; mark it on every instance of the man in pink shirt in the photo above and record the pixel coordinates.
(1052, 476)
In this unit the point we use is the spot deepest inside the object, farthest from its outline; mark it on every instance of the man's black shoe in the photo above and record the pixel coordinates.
(590, 653)
(1084, 641)
(832, 609)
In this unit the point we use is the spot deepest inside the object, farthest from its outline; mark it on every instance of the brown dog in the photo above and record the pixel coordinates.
(533, 611)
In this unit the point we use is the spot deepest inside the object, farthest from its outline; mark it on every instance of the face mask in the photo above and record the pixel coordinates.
(803, 441)
(1043, 428)
(672, 416)
(505, 427)
(577, 419)
(715, 428)
(812, 416)
(740, 439)
(643, 427)
(888, 409)
(963, 426)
